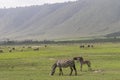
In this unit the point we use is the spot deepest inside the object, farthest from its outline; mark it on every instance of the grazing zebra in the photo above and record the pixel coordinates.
(64, 64)
(87, 62)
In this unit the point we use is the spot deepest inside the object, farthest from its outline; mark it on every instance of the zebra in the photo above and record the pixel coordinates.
(82, 61)
(64, 64)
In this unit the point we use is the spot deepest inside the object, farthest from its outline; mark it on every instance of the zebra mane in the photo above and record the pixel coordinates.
(78, 58)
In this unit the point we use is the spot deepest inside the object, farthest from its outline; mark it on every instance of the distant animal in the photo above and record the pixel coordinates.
(13, 48)
(45, 46)
(82, 46)
(29, 47)
(90, 46)
(21, 50)
(36, 49)
(82, 61)
(10, 50)
(1, 51)
(64, 64)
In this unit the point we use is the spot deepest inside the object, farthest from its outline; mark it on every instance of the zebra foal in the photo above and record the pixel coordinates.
(64, 64)
(82, 62)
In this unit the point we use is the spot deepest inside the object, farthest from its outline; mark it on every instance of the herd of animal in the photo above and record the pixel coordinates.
(21, 49)
(60, 63)
(89, 46)
(69, 63)
(11, 49)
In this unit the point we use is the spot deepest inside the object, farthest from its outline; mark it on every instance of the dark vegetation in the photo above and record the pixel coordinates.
(61, 42)
(113, 35)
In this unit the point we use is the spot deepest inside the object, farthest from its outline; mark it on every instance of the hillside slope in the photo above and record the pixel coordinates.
(61, 20)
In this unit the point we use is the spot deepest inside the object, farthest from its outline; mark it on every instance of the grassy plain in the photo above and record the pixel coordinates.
(36, 65)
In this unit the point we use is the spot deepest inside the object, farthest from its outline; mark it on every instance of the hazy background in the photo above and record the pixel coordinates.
(82, 18)
(16, 3)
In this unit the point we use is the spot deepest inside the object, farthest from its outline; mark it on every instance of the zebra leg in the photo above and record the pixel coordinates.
(60, 71)
(75, 70)
(71, 71)
(81, 67)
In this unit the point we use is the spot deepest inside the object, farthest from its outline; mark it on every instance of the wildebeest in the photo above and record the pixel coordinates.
(45, 46)
(82, 46)
(90, 46)
(1, 51)
(29, 47)
(36, 49)
(64, 64)
(13, 48)
(10, 50)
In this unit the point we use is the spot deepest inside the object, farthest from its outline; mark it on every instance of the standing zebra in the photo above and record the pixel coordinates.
(87, 62)
(64, 64)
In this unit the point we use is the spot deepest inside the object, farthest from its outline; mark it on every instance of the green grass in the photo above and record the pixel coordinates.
(36, 65)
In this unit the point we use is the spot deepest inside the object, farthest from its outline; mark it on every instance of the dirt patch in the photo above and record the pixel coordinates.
(98, 71)
(52, 59)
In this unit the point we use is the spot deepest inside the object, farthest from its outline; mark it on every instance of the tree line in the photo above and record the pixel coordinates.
(25, 42)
